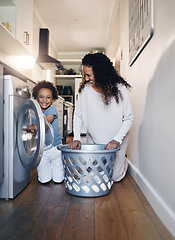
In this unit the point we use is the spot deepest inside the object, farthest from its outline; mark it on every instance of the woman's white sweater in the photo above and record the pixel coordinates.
(103, 122)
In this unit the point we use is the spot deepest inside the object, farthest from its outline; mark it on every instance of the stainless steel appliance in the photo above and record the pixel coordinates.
(23, 148)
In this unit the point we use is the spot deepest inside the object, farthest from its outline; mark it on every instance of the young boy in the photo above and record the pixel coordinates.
(50, 166)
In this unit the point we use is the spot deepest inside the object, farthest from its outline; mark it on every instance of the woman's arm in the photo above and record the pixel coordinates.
(77, 125)
(77, 120)
(127, 118)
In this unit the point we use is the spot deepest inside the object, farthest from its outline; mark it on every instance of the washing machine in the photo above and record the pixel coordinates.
(22, 147)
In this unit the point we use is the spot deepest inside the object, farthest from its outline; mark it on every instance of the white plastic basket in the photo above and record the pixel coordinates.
(88, 171)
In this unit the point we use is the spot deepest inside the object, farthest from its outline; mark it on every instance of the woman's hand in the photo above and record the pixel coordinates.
(111, 145)
(75, 145)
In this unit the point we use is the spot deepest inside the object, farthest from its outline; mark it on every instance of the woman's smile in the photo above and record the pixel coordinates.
(89, 76)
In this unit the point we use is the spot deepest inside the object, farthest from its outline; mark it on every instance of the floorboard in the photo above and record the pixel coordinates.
(48, 212)
(137, 221)
(108, 220)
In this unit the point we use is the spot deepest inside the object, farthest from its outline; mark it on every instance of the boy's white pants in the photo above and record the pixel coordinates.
(51, 166)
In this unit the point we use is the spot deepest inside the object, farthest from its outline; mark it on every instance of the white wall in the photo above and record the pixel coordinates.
(151, 150)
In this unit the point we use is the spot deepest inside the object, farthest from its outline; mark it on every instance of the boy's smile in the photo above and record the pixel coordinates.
(45, 98)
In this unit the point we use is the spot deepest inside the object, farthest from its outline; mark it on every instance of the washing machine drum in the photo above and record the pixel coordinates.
(32, 130)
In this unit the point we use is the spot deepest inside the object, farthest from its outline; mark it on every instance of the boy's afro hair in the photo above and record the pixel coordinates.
(45, 84)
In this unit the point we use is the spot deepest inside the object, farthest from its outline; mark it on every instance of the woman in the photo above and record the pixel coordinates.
(103, 106)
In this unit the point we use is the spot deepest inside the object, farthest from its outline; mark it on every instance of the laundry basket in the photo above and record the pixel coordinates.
(88, 171)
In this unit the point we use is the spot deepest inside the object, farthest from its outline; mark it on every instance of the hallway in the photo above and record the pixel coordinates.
(47, 212)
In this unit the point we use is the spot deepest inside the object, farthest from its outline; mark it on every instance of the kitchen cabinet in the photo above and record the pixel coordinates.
(8, 16)
(24, 28)
(16, 26)
(9, 44)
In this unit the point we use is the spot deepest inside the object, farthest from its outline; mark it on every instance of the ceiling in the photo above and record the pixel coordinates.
(76, 25)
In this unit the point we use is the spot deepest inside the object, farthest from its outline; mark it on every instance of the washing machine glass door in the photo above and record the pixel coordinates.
(32, 130)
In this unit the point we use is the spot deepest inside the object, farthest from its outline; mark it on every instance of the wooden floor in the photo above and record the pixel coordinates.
(48, 212)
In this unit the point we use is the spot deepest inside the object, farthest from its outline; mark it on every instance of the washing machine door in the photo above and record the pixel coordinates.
(31, 134)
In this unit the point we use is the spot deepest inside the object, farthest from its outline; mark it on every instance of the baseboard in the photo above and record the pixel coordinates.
(160, 207)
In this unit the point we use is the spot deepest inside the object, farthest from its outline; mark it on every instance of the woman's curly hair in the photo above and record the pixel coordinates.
(106, 76)
(45, 84)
